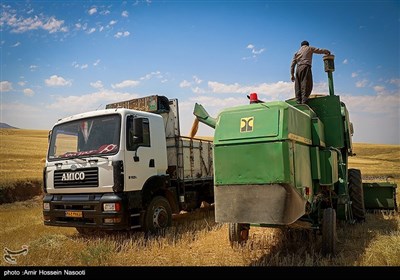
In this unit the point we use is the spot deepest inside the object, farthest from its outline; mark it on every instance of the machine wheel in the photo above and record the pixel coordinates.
(356, 193)
(329, 231)
(238, 233)
(158, 215)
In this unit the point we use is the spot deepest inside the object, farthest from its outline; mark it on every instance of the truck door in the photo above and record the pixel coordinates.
(140, 157)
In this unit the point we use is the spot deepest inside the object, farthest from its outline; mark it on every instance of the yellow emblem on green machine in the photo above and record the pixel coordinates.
(246, 124)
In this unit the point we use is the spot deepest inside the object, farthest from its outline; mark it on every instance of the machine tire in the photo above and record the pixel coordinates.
(329, 237)
(158, 215)
(238, 233)
(356, 193)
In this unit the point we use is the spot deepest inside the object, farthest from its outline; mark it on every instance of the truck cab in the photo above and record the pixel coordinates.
(116, 169)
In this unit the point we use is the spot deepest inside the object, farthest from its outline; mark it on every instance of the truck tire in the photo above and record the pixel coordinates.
(356, 194)
(329, 237)
(158, 215)
(238, 233)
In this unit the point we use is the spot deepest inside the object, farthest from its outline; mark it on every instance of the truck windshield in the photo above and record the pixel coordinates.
(85, 137)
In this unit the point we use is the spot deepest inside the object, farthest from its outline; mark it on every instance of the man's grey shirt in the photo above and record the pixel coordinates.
(304, 56)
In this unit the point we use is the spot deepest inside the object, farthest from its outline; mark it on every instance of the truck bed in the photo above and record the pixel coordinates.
(189, 158)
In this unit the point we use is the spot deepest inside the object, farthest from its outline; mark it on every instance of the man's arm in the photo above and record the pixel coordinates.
(292, 66)
(320, 51)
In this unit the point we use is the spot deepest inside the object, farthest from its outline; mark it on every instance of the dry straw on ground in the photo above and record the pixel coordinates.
(196, 240)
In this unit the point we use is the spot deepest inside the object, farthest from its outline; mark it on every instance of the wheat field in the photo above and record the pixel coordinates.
(196, 240)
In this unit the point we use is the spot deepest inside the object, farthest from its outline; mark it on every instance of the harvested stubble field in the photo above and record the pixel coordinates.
(194, 240)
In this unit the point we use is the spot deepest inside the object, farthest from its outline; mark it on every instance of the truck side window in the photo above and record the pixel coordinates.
(138, 133)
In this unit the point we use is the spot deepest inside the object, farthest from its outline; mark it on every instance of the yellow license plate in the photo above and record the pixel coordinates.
(73, 214)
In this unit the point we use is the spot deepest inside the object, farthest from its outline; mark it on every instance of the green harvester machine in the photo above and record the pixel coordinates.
(283, 164)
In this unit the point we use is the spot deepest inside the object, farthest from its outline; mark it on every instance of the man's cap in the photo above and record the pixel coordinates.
(305, 43)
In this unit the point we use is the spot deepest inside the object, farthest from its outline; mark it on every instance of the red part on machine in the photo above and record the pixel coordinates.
(253, 98)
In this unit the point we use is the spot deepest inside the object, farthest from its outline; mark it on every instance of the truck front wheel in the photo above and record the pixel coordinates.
(158, 215)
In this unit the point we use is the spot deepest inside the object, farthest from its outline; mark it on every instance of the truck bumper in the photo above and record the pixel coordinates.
(272, 204)
(86, 211)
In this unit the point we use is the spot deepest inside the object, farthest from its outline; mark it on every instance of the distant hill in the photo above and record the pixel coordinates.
(4, 125)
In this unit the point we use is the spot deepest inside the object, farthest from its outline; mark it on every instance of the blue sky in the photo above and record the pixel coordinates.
(64, 57)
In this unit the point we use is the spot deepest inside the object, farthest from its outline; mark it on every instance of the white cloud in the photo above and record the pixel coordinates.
(33, 67)
(21, 83)
(113, 22)
(28, 116)
(105, 12)
(254, 52)
(5, 86)
(97, 84)
(370, 121)
(197, 80)
(345, 61)
(279, 90)
(395, 82)
(217, 87)
(125, 84)
(74, 104)
(121, 34)
(19, 108)
(28, 92)
(362, 83)
(91, 30)
(55, 81)
(380, 90)
(354, 74)
(185, 84)
(156, 74)
(77, 65)
(16, 44)
(53, 25)
(125, 14)
(20, 24)
(96, 62)
(92, 11)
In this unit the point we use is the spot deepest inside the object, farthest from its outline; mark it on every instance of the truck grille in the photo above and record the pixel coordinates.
(85, 178)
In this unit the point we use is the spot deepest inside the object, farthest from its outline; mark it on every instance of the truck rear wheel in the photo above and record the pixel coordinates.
(238, 233)
(158, 215)
(356, 193)
(329, 231)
